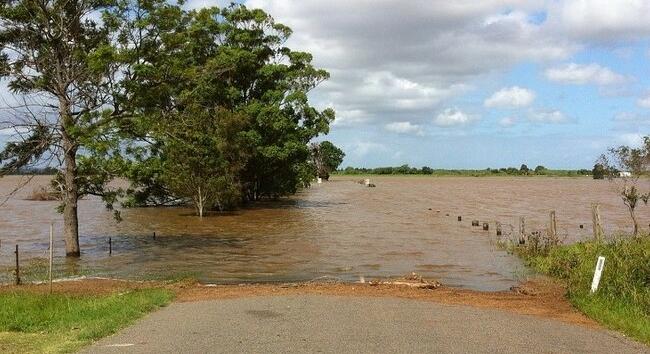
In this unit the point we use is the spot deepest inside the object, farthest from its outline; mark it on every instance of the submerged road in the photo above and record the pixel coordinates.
(331, 324)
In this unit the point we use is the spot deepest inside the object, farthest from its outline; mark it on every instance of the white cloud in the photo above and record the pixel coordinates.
(547, 116)
(601, 20)
(581, 74)
(363, 148)
(406, 67)
(404, 128)
(644, 102)
(451, 117)
(511, 97)
(346, 118)
(507, 122)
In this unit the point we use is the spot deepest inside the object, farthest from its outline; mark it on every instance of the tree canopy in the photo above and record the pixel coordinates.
(326, 158)
(204, 107)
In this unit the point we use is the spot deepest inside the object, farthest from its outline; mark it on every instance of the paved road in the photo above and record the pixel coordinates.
(330, 324)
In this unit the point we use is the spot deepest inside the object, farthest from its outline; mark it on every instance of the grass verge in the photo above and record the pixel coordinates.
(32, 322)
(622, 301)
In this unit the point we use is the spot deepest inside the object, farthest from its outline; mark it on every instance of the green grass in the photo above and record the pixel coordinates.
(622, 301)
(58, 323)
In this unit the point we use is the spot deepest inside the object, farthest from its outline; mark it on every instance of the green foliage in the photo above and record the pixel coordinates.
(217, 60)
(623, 298)
(203, 157)
(524, 169)
(60, 322)
(540, 169)
(326, 158)
(632, 182)
(599, 171)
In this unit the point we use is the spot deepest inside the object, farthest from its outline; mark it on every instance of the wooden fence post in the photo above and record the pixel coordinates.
(597, 225)
(17, 268)
(51, 253)
(522, 230)
(552, 230)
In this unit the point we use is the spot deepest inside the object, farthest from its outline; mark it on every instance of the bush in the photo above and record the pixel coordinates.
(622, 300)
(43, 194)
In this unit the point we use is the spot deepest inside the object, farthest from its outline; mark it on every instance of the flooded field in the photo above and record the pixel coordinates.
(340, 229)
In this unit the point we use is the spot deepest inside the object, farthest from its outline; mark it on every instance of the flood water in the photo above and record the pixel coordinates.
(339, 229)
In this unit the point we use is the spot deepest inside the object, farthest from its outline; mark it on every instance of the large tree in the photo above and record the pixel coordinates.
(58, 61)
(231, 59)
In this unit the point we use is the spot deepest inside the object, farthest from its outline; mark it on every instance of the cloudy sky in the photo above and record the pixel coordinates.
(476, 84)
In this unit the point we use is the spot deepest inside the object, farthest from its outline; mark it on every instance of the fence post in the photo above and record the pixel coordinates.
(499, 230)
(522, 230)
(552, 225)
(51, 253)
(597, 226)
(17, 268)
(110, 246)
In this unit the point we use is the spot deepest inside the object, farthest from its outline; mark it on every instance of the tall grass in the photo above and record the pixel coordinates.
(622, 301)
(35, 322)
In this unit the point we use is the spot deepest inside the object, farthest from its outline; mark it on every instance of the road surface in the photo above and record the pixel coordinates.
(332, 324)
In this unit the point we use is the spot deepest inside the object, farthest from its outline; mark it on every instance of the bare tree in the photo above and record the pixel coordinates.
(629, 170)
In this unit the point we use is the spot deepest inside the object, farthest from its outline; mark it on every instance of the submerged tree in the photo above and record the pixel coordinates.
(629, 168)
(203, 157)
(599, 172)
(326, 158)
(235, 59)
(58, 61)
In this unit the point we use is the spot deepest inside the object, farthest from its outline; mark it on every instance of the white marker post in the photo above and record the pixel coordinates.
(600, 264)
(320, 180)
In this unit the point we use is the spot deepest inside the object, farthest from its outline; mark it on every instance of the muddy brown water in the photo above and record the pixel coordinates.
(339, 229)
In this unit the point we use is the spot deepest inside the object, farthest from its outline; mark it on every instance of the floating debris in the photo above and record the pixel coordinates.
(412, 280)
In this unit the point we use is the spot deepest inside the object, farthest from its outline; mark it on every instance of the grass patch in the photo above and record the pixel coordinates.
(60, 323)
(622, 301)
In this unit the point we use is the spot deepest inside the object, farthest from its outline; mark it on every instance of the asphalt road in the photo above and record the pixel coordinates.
(330, 324)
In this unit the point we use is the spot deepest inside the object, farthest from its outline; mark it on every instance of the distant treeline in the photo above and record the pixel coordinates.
(504, 171)
(36, 171)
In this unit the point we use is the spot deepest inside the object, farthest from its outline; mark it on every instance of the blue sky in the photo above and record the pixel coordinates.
(467, 84)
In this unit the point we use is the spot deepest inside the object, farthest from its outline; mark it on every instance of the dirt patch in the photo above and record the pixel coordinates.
(541, 297)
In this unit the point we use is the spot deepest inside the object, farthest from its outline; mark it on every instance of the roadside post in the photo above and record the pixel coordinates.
(17, 268)
(600, 264)
(51, 253)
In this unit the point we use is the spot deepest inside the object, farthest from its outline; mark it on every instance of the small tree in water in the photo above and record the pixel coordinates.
(628, 169)
(203, 156)
(326, 158)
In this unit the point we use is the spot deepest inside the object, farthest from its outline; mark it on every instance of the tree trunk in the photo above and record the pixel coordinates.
(70, 198)
(634, 221)
(200, 203)
(71, 187)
